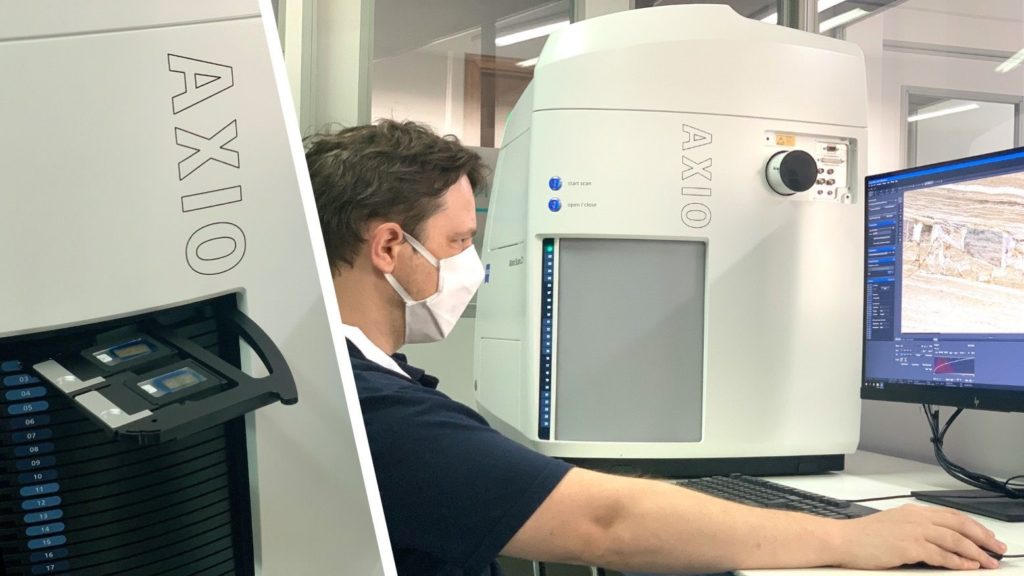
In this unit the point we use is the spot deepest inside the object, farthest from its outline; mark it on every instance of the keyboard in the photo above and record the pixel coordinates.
(767, 494)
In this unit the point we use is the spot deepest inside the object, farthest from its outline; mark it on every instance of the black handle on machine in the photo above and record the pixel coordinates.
(187, 417)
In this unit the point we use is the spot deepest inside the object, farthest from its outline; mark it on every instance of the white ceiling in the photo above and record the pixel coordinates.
(1000, 10)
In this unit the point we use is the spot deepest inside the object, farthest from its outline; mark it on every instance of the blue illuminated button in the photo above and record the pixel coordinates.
(52, 568)
(554, 205)
(32, 435)
(27, 408)
(29, 421)
(37, 477)
(49, 555)
(47, 542)
(555, 183)
(42, 530)
(39, 490)
(25, 393)
(40, 503)
(33, 449)
(10, 366)
(20, 380)
(35, 463)
(33, 517)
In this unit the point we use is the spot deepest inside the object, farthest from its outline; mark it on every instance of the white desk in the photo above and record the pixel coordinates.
(870, 475)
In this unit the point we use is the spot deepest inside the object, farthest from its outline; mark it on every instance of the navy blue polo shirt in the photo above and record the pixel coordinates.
(454, 490)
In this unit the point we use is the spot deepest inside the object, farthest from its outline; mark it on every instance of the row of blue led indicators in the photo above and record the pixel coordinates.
(37, 479)
(546, 340)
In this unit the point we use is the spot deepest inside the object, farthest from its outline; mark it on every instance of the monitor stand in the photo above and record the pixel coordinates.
(981, 502)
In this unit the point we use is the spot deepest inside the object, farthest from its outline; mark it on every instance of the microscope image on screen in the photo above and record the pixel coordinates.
(963, 258)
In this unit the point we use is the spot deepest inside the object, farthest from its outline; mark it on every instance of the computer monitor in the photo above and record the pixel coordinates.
(944, 297)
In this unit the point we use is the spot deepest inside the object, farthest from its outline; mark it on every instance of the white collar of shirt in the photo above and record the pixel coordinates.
(370, 350)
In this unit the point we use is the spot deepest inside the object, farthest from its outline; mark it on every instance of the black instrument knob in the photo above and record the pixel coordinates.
(791, 171)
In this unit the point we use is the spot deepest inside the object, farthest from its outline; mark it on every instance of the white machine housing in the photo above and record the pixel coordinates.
(151, 158)
(648, 295)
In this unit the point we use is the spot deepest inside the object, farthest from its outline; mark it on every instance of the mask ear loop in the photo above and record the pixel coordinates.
(421, 249)
(406, 297)
(398, 288)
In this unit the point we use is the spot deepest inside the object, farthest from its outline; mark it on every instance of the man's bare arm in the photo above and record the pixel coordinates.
(645, 525)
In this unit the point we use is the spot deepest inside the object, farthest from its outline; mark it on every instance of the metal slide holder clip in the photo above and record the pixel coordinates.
(152, 384)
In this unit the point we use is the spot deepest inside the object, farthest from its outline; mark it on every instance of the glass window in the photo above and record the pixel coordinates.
(945, 126)
(458, 66)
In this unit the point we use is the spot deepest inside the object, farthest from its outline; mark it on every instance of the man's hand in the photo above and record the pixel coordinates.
(910, 534)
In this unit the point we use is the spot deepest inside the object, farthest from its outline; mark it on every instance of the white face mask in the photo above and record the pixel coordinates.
(458, 278)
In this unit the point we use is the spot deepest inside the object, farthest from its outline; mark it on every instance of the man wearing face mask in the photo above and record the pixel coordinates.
(398, 217)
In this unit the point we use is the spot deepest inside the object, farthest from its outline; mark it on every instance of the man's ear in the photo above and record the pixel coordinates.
(383, 242)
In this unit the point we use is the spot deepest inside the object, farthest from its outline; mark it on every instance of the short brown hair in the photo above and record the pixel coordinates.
(395, 171)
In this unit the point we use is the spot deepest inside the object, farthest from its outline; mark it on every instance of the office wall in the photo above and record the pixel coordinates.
(423, 86)
(914, 45)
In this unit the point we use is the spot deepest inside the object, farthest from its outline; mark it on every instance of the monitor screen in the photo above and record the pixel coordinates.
(944, 284)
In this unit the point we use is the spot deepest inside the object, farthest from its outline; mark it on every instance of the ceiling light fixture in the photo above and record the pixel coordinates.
(943, 112)
(1011, 63)
(822, 6)
(844, 18)
(529, 34)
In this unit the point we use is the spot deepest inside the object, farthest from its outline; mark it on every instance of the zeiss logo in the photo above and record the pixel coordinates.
(696, 189)
(219, 246)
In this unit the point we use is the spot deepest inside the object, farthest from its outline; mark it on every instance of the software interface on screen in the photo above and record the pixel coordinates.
(945, 275)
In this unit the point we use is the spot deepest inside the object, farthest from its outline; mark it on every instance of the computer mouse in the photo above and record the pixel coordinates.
(995, 555)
